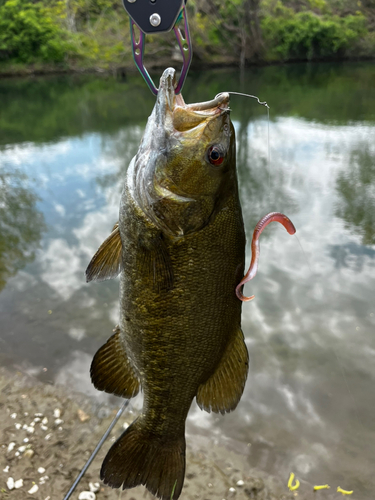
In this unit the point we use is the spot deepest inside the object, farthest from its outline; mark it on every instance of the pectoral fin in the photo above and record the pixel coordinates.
(106, 263)
(223, 390)
(111, 370)
(155, 262)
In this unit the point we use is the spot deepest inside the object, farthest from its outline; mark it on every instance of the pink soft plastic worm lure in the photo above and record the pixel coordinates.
(255, 247)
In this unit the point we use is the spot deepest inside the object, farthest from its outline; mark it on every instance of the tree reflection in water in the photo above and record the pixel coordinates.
(21, 224)
(356, 185)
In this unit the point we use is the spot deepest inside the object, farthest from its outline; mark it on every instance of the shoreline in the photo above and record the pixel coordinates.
(123, 71)
(48, 434)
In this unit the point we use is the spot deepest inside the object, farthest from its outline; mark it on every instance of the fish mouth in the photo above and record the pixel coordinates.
(166, 93)
(186, 116)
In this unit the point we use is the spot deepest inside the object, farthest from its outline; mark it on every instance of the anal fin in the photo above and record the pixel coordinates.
(106, 263)
(111, 371)
(223, 390)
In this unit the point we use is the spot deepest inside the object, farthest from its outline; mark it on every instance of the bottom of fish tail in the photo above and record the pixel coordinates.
(138, 457)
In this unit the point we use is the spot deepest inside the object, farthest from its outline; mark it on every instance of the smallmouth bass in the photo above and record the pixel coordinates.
(180, 248)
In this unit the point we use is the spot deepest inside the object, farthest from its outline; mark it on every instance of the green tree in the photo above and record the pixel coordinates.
(28, 33)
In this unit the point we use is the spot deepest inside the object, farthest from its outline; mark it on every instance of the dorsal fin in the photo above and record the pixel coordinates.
(107, 262)
(223, 390)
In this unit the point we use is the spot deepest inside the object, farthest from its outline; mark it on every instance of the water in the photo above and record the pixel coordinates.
(65, 144)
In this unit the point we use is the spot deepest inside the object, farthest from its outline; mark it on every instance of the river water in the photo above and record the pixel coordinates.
(65, 144)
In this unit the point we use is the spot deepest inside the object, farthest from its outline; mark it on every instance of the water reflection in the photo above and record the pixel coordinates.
(307, 404)
(21, 223)
(356, 185)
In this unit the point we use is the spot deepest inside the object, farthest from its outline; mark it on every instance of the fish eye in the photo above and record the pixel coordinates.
(215, 155)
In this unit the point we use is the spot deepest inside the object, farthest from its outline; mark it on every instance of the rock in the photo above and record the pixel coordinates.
(41, 470)
(82, 415)
(33, 489)
(87, 495)
(18, 484)
(11, 446)
(10, 483)
(94, 487)
(57, 413)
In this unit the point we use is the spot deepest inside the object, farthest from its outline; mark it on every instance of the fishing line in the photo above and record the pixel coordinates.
(304, 253)
(98, 446)
(262, 103)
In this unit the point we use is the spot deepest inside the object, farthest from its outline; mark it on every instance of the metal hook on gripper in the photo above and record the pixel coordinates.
(138, 46)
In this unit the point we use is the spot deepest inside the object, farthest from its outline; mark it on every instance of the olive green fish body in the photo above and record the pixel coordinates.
(180, 247)
(185, 328)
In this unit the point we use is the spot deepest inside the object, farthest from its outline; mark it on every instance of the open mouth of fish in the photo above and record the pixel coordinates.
(191, 112)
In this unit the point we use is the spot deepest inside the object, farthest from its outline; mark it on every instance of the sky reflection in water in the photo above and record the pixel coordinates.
(308, 405)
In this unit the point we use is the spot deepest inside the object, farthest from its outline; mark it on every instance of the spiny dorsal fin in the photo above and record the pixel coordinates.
(223, 390)
(111, 371)
(107, 262)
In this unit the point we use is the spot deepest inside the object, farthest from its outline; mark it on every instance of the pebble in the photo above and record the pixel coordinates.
(22, 449)
(45, 421)
(87, 495)
(26, 440)
(13, 415)
(94, 487)
(240, 483)
(33, 489)
(43, 479)
(232, 490)
(82, 415)
(17, 454)
(58, 421)
(29, 453)
(57, 413)
(10, 483)
(38, 414)
(6, 469)
(43, 427)
(18, 484)
(11, 446)
(18, 426)
(30, 429)
(37, 419)
(41, 470)
(48, 436)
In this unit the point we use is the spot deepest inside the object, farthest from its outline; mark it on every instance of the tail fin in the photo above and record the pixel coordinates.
(138, 457)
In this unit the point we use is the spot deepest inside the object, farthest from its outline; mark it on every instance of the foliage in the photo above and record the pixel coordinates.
(85, 34)
(28, 33)
(306, 35)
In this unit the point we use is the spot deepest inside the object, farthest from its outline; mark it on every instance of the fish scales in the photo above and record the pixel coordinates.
(182, 245)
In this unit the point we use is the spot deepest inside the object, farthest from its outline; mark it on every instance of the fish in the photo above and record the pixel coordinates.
(179, 247)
